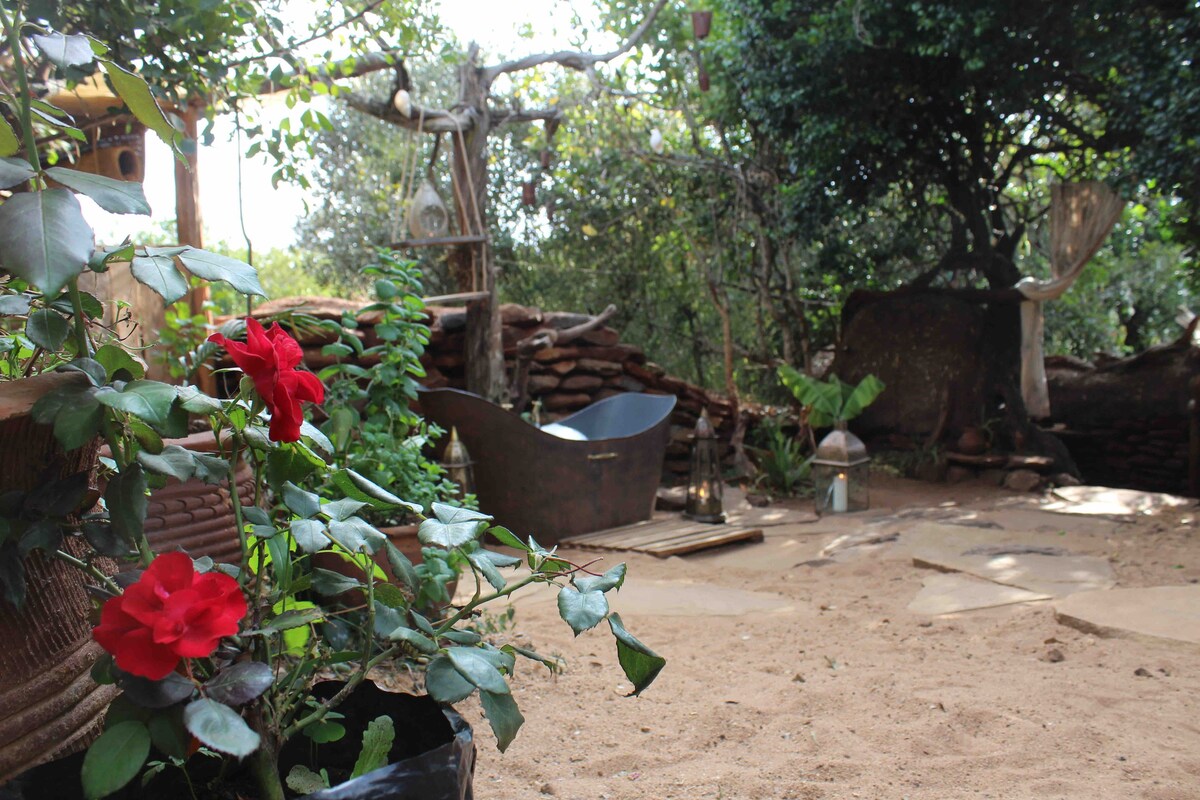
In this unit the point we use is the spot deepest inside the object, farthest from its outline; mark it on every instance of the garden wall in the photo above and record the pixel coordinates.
(562, 380)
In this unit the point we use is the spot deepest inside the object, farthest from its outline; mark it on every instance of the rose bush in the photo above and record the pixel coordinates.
(270, 358)
(170, 614)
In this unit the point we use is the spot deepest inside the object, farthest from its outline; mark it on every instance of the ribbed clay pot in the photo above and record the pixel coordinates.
(197, 517)
(49, 705)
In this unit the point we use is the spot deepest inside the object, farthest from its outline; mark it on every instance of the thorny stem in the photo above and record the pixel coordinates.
(106, 581)
(13, 26)
(355, 679)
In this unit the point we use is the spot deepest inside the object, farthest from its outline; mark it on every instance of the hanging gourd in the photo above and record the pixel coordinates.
(528, 193)
(427, 216)
(656, 142)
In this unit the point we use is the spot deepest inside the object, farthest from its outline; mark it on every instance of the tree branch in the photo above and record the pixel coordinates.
(573, 59)
(430, 120)
(328, 75)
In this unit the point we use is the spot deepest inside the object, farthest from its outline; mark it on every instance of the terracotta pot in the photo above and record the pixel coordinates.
(972, 442)
(197, 517)
(404, 537)
(49, 705)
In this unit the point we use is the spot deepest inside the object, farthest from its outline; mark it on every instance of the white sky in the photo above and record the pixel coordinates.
(271, 214)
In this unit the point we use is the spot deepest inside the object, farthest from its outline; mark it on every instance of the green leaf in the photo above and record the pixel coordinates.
(126, 499)
(488, 569)
(220, 727)
(74, 413)
(330, 583)
(43, 534)
(9, 143)
(302, 780)
(325, 731)
(14, 171)
(174, 461)
(356, 535)
(104, 539)
(451, 527)
(156, 694)
(314, 434)
(602, 583)
(342, 509)
(65, 50)
(197, 402)
(239, 683)
(210, 469)
(115, 359)
(309, 534)
(402, 568)
(476, 668)
(114, 759)
(14, 305)
(506, 537)
(136, 94)
(117, 197)
(581, 610)
(159, 273)
(296, 618)
(863, 395)
(462, 637)
(301, 503)
(504, 717)
(291, 463)
(640, 663)
(47, 329)
(357, 487)
(215, 267)
(377, 743)
(418, 640)
(168, 733)
(148, 400)
(444, 683)
(47, 242)
(90, 367)
(390, 596)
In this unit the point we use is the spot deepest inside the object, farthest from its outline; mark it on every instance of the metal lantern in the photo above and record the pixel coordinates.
(427, 216)
(704, 483)
(841, 469)
(458, 465)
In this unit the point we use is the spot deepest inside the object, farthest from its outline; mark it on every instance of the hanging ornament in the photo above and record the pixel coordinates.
(544, 158)
(704, 84)
(402, 102)
(701, 24)
(528, 193)
(656, 141)
(427, 217)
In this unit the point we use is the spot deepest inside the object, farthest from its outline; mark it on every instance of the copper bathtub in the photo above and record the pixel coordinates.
(601, 470)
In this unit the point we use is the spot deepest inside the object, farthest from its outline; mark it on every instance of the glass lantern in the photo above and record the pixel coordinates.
(704, 494)
(841, 469)
(459, 466)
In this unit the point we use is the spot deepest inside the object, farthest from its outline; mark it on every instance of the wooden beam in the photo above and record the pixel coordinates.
(440, 241)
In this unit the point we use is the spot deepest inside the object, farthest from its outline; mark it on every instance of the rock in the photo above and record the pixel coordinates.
(1065, 479)
(1142, 672)
(958, 474)
(581, 383)
(758, 500)
(995, 477)
(1022, 480)
(1053, 656)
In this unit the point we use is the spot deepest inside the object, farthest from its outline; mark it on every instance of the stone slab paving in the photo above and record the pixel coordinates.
(1162, 612)
(953, 592)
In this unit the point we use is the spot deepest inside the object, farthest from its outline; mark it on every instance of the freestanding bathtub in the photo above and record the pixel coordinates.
(601, 470)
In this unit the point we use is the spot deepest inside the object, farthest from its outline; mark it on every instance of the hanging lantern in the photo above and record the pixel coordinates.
(656, 141)
(544, 158)
(528, 193)
(841, 471)
(459, 466)
(402, 102)
(704, 82)
(427, 216)
(705, 491)
(701, 24)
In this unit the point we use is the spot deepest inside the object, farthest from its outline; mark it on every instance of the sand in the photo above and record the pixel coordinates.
(797, 671)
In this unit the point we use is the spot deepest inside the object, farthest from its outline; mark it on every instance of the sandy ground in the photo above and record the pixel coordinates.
(788, 679)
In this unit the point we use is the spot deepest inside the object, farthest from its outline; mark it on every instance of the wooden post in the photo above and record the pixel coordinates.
(1193, 408)
(188, 227)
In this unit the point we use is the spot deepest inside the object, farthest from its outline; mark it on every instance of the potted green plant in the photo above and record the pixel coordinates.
(220, 664)
(833, 402)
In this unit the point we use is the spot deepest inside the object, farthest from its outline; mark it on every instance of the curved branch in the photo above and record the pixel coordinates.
(429, 120)
(572, 59)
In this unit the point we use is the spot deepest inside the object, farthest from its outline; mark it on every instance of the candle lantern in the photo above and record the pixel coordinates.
(704, 484)
(459, 466)
(840, 470)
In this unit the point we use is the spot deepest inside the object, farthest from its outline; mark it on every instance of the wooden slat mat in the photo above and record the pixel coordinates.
(660, 537)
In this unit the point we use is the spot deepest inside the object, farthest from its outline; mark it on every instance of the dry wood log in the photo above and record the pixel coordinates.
(581, 383)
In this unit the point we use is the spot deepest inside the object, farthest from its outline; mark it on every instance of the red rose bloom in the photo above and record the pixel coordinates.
(171, 613)
(270, 358)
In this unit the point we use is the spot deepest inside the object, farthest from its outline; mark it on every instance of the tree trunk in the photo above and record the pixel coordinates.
(472, 265)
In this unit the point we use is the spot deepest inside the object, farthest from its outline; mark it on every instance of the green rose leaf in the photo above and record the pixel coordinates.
(506, 537)
(47, 329)
(9, 143)
(420, 641)
(240, 683)
(147, 400)
(402, 568)
(462, 637)
(126, 499)
(155, 694)
(314, 434)
(500, 559)
(581, 610)
(197, 402)
(343, 509)
(65, 50)
(117, 197)
(174, 461)
(640, 663)
(159, 273)
(356, 535)
(90, 367)
(359, 488)
(116, 359)
(104, 540)
(296, 618)
(220, 727)
(14, 305)
(47, 242)
(114, 759)
(136, 94)
(451, 527)
(44, 534)
(389, 595)
(330, 583)
(301, 503)
(309, 535)
(291, 463)
(168, 733)
(210, 469)
(478, 669)
(14, 171)
(488, 570)
(504, 717)
(216, 267)
(602, 583)
(444, 683)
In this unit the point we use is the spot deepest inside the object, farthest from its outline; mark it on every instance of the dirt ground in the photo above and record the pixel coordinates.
(795, 676)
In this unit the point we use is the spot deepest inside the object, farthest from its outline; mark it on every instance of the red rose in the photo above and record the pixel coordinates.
(270, 358)
(171, 613)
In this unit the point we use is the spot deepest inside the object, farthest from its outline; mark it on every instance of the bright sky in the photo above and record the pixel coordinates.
(270, 214)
